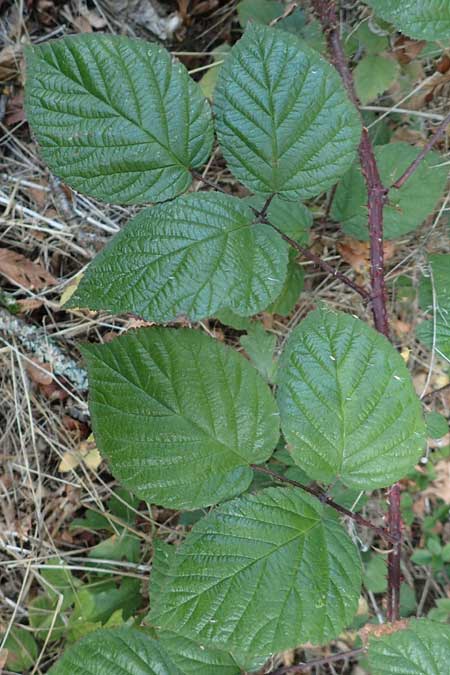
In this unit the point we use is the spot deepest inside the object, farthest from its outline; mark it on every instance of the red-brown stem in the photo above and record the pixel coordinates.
(307, 253)
(325, 499)
(377, 193)
(394, 574)
(305, 667)
(439, 132)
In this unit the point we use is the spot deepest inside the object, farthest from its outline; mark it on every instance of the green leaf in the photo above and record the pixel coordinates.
(117, 118)
(291, 217)
(41, 614)
(437, 425)
(408, 600)
(22, 650)
(188, 655)
(436, 332)
(364, 37)
(260, 347)
(259, 11)
(122, 546)
(95, 604)
(193, 256)
(179, 416)
(230, 318)
(194, 659)
(283, 119)
(421, 19)
(291, 290)
(348, 407)
(375, 574)
(407, 207)
(421, 557)
(116, 650)
(373, 75)
(59, 580)
(208, 81)
(421, 649)
(262, 573)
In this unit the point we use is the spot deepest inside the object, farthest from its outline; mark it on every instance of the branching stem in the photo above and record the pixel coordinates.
(325, 499)
(439, 132)
(377, 196)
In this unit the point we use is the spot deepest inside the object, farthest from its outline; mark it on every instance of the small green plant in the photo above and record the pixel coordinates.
(186, 422)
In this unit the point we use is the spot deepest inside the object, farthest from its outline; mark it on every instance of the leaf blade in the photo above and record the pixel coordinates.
(423, 647)
(347, 404)
(283, 120)
(116, 118)
(269, 544)
(193, 256)
(179, 416)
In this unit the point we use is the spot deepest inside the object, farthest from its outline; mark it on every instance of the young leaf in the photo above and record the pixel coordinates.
(420, 19)
(373, 75)
(283, 119)
(348, 407)
(117, 118)
(291, 290)
(194, 256)
(260, 347)
(262, 573)
(422, 648)
(117, 650)
(291, 217)
(179, 416)
(407, 207)
(437, 425)
(22, 650)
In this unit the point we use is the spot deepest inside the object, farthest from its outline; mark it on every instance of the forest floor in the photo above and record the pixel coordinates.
(50, 470)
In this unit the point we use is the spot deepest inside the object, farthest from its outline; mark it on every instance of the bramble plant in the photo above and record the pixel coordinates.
(188, 423)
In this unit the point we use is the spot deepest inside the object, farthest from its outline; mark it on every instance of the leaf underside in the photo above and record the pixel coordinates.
(260, 574)
(347, 404)
(117, 118)
(423, 648)
(179, 416)
(435, 332)
(193, 256)
(283, 119)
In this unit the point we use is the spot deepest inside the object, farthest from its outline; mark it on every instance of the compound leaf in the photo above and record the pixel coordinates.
(347, 404)
(262, 573)
(179, 416)
(283, 119)
(117, 118)
(421, 19)
(407, 207)
(193, 256)
(115, 650)
(423, 647)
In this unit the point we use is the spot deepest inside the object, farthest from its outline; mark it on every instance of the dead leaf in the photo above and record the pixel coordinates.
(440, 486)
(407, 50)
(376, 630)
(39, 372)
(357, 253)
(10, 62)
(29, 304)
(3, 658)
(86, 453)
(21, 271)
(70, 290)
